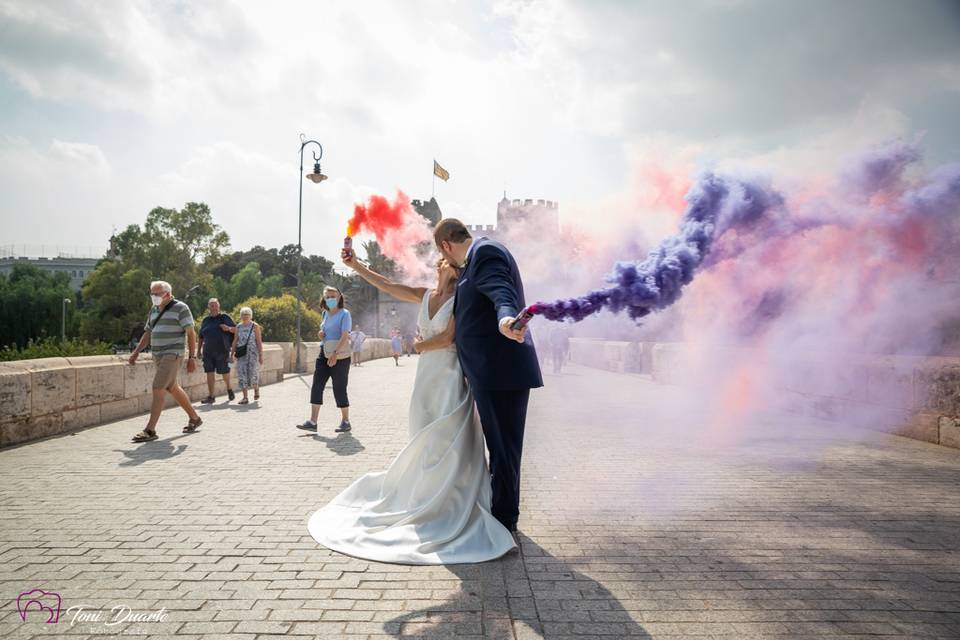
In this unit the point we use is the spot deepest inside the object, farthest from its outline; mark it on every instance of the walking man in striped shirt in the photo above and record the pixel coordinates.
(168, 321)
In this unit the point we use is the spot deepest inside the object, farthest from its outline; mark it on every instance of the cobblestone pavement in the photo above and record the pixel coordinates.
(643, 516)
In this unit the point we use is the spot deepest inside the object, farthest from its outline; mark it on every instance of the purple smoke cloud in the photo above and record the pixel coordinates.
(715, 205)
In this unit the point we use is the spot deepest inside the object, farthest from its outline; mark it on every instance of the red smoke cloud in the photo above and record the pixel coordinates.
(403, 234)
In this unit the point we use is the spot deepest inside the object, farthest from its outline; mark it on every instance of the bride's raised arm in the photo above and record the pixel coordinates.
(395, 289)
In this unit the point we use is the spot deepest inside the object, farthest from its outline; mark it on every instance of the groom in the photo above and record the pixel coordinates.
(500, 364)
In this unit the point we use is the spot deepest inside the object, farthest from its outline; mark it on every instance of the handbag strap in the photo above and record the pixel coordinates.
(162, 311)
(249, 335)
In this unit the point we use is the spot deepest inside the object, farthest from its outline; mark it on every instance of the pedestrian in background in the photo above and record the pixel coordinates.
(247, 352)
(216, 335)
(333, 362)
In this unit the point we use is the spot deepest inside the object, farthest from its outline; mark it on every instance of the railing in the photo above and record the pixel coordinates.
(913, 396)
(49, 396)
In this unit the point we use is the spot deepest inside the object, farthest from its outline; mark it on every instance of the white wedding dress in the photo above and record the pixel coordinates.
(432, 505)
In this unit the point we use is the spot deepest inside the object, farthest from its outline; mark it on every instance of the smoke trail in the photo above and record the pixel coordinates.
(401, 232)
(715, 206)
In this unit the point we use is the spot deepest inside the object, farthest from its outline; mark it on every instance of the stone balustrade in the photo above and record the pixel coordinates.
(48, 396)
(373, 348)
(919, 397)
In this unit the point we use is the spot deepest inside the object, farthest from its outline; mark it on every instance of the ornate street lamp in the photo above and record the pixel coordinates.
(316, 177)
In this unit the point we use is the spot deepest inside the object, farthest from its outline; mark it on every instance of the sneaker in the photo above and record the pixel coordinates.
(343, 428)
(231, 394)
(208, 400)
(308, 425)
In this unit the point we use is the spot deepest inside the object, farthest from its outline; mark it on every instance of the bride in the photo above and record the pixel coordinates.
(432, 504)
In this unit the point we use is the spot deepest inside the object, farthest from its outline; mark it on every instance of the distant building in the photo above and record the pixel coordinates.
(77, 268)
(429, 210)
(542, 216)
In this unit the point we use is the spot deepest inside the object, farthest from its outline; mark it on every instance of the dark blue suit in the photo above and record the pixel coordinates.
(500, 371)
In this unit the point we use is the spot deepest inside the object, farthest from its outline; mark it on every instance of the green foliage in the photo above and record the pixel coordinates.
(31, 304)
(278, 317)
(280, 263)
(185, 248)
(118, 301)
(246, 283)
(172, 245)
(54, 348)
(377, 261)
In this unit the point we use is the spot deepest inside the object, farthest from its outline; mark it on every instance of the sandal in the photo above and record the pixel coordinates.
(244, 401)
(146, 436)
(256, 396)
(192, 425)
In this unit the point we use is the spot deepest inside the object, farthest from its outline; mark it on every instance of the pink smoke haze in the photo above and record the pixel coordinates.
(866, 266)
(850, 268)
(403, 234)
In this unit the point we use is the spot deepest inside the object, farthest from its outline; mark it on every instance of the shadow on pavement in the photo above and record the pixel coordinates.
(343, 445)
(530, 594)
(157, 450)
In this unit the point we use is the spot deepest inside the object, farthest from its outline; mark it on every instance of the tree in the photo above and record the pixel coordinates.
(278, 317)
(117, 302)
(246, 283)
(273, 262)
(268, 259)
(31, 304)
(377, 261)
(172, 245)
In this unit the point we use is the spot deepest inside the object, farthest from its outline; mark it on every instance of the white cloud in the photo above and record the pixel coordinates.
(54, 195)
(242, 186)
(553, 100)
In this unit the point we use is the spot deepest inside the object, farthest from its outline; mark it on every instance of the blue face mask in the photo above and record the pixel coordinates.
(331, 303)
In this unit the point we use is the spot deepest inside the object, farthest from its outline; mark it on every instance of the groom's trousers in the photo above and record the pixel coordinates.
(503, 415)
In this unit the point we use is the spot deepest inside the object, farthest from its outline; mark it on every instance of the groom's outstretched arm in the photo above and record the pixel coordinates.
(494, 279)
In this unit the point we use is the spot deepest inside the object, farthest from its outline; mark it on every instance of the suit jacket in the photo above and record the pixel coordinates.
(489, 289)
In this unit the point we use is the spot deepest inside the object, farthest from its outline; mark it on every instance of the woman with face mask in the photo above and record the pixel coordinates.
(334, 360)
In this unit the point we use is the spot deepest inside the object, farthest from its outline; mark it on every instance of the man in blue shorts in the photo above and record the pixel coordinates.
(216, 336)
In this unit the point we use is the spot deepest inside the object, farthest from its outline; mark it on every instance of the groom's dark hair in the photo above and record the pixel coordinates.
(451, 230)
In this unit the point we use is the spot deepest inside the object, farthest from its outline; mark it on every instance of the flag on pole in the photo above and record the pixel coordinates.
(440, 172)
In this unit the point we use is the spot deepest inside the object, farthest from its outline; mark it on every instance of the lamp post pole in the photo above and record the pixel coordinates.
(316, 177)
(63, 319)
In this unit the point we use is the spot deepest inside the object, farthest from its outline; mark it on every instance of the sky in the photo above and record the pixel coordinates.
(108, 109)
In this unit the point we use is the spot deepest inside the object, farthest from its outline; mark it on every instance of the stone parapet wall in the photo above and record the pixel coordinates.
(919, 396)
(373, 348)
(49, 396)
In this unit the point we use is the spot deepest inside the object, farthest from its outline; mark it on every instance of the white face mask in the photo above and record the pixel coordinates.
(156, 299)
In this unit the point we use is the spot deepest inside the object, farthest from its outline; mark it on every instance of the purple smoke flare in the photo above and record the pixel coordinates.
(714, 206)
